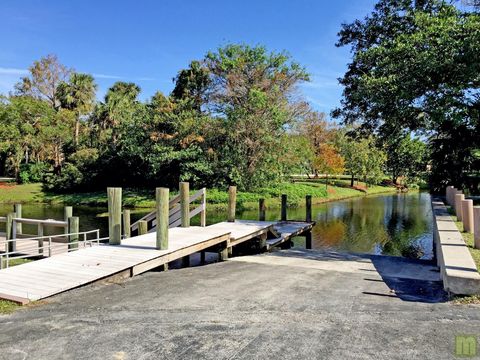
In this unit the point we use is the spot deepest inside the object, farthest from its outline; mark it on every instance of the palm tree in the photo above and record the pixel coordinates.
(78, 95)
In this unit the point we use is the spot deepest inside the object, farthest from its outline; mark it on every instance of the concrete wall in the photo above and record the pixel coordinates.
(458, 270)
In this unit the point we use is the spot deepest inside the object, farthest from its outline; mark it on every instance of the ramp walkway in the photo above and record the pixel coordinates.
(43, 278)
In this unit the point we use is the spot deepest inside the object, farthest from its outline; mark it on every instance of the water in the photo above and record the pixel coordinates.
(394, 224)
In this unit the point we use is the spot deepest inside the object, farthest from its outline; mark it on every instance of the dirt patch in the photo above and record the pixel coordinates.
(5, 185)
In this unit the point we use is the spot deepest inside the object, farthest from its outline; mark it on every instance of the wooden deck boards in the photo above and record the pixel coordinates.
(50, 276)
(43, 278)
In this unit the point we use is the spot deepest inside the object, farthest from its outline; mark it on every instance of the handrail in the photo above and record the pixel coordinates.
(174, 212)
(42, 247)
(47, 222)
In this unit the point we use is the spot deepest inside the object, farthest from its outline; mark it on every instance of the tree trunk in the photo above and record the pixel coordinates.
(77, 131)
(352, 181)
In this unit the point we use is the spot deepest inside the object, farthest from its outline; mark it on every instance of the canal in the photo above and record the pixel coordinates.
(393, 224)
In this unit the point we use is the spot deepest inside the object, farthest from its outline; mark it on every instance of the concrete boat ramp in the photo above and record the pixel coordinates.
(47, 277)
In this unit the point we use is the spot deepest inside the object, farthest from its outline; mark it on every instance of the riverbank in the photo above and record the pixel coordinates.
(217, 199)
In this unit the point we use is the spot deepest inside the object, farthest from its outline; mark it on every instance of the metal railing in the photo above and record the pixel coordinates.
(44, 246)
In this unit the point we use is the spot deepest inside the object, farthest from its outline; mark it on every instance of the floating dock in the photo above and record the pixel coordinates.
(47, 277)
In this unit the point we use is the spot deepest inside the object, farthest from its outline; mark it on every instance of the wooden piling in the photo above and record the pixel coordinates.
(73, 226)
(12, 246)
(261, 210)
(262, 242)
(223, 253)
(203, 213)
(202, 257)
(162, 207)
(476, 227)
(308, 210)
(114, 215)
(126, 224)
(284, 208)
(18, 214)
(142, 227)
(185, 204)
(232, 203)
(458, 205)
(308, 240)
(467, 215)
(67, 213)
(40, 241)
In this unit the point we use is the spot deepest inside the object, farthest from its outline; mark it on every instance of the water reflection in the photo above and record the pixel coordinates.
(398, 224)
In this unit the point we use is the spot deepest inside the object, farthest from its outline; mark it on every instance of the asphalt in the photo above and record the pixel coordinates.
(294, 304)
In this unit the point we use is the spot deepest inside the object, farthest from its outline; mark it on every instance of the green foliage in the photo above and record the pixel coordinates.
(363, 158)
(32, 172)
(407, 157)
(415, 67)
(70, 178)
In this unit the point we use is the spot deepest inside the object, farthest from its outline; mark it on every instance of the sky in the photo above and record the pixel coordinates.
(148, 41)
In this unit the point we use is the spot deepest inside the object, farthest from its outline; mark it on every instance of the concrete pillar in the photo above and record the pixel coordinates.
(458, 205)
(467, 215)
(448, 194)
(476, 227)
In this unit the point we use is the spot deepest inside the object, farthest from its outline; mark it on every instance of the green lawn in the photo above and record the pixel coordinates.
(217, 199)
(468, 238)
(27, 193)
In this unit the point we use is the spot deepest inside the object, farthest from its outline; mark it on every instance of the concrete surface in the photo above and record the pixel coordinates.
(295, 304)
(458, 270)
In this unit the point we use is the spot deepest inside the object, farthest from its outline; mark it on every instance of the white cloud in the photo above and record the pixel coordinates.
(13, 71)
(104, 76)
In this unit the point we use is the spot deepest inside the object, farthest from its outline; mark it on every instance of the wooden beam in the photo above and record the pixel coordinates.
(18, 214)
(185, 203)
(40, 241)
(232, 203)
(261, 209)
(142, 227)
(308, 211)
(284, 208)
(114, 215)
(162, 206)
(203, 213)
(126, 223)
(67, 212)
(73, 226)
(9, 232)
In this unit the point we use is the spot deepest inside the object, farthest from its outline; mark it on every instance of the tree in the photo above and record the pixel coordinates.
(78, 95)
(191, 84)
(328, 161)
(253, 92)
(407, 157)
(120, 106)
(362, 158)
(415, 68)
(45, 76)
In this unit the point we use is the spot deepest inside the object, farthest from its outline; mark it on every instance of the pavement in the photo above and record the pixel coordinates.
(291, 304)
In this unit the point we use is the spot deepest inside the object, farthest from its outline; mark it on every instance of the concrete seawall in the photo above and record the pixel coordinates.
(458, 270)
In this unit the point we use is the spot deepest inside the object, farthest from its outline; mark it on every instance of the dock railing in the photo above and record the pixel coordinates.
(175, 211)
(44, 245)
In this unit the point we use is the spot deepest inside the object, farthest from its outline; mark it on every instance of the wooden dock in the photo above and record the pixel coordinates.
(44, 278)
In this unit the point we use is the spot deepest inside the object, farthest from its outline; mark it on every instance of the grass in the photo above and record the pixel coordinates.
(217, 199)
(7, 307)
(26, 193)
(468, 238)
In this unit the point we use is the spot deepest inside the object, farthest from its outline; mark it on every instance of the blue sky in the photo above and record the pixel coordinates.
(148, 42)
